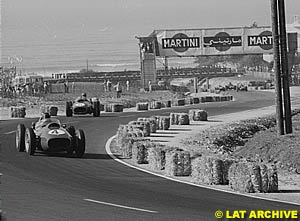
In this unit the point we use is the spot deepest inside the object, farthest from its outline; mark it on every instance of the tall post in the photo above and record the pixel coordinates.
(285, 68)
(277, 70)
(166, 66)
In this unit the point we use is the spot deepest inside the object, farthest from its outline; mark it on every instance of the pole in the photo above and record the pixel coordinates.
(284, 68)
(276, 55)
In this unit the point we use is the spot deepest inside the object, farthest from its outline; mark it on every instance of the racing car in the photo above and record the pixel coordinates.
(49, 135)
(83, 106)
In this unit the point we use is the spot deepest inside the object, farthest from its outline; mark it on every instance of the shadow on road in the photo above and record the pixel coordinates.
(96, 156)
(289, 191)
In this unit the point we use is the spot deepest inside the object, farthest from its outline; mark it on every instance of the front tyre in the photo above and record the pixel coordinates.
(30, 141)
(69, 111)
(96, 108)
(20, 138)
(80, 143)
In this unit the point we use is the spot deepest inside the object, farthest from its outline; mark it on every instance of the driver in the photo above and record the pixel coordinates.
(44, 120)
(82, 97)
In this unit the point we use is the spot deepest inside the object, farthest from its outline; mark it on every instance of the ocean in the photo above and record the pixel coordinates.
(44, 50)
(46, 37)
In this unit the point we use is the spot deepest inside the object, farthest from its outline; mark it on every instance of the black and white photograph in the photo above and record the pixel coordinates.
(149, 110)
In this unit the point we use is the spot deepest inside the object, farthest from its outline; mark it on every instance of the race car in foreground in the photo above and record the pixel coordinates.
(83, 106)
(49, 135)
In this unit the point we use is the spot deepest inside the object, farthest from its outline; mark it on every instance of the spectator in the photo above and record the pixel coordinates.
(108, 85)
(118, 88)
(66, 84)
(127, 85)
(150, 86)
(105, 85)
(45, 87)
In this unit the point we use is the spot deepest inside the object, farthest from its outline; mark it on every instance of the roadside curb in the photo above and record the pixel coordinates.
(108, 151)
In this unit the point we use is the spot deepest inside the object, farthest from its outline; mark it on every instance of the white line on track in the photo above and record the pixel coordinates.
(107, 148)
(10, 132)
(120, 206)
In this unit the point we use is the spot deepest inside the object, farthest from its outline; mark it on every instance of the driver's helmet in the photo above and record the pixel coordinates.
(83, 95)
(46, 115)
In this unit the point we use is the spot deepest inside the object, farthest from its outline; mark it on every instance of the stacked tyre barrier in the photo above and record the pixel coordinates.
(157, 157)
(166, 104)
(210, 170)
(142, 106)
(51, 109)
(179, 119)
(140, 152)
(155, 105)
(179, 102)
(197, 115)
(144, 125)
(18, 112)
(251, 177)
(178, 163)
(195, 100)
(113, 108)
(162, 122)
(152, 121)
(126, 136)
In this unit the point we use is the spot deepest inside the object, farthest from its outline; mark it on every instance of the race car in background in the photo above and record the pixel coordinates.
(83, 106)
(49, 135)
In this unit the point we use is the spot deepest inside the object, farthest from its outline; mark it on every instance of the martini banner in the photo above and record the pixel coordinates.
(219, 41)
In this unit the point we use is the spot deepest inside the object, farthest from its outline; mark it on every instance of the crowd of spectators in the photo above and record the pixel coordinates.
(10, 90)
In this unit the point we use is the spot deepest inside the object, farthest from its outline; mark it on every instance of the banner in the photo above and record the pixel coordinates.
(219, 41)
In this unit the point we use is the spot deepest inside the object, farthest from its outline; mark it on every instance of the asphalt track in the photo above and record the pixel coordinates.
(55, 187)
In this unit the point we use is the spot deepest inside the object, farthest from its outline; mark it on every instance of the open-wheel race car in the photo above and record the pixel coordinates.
(49, 135)
(83, 106)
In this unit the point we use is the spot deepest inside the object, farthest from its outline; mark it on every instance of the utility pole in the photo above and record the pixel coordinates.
(284, 68)
(277, 69)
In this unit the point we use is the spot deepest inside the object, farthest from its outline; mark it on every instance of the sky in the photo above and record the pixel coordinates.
(62, 31)
(142, 16)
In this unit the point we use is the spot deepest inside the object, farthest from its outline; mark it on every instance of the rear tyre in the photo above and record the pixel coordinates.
(69, 112)
(30, 141)
(80, 143)
(96, 108)
(20, 138)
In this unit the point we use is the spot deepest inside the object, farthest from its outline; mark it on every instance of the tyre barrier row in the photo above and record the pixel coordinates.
(144, 106)
(51, 109)
(241, 176)
(18, 112)
(113, 107)
(251, 177)
(179, 119)
(198, 115)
